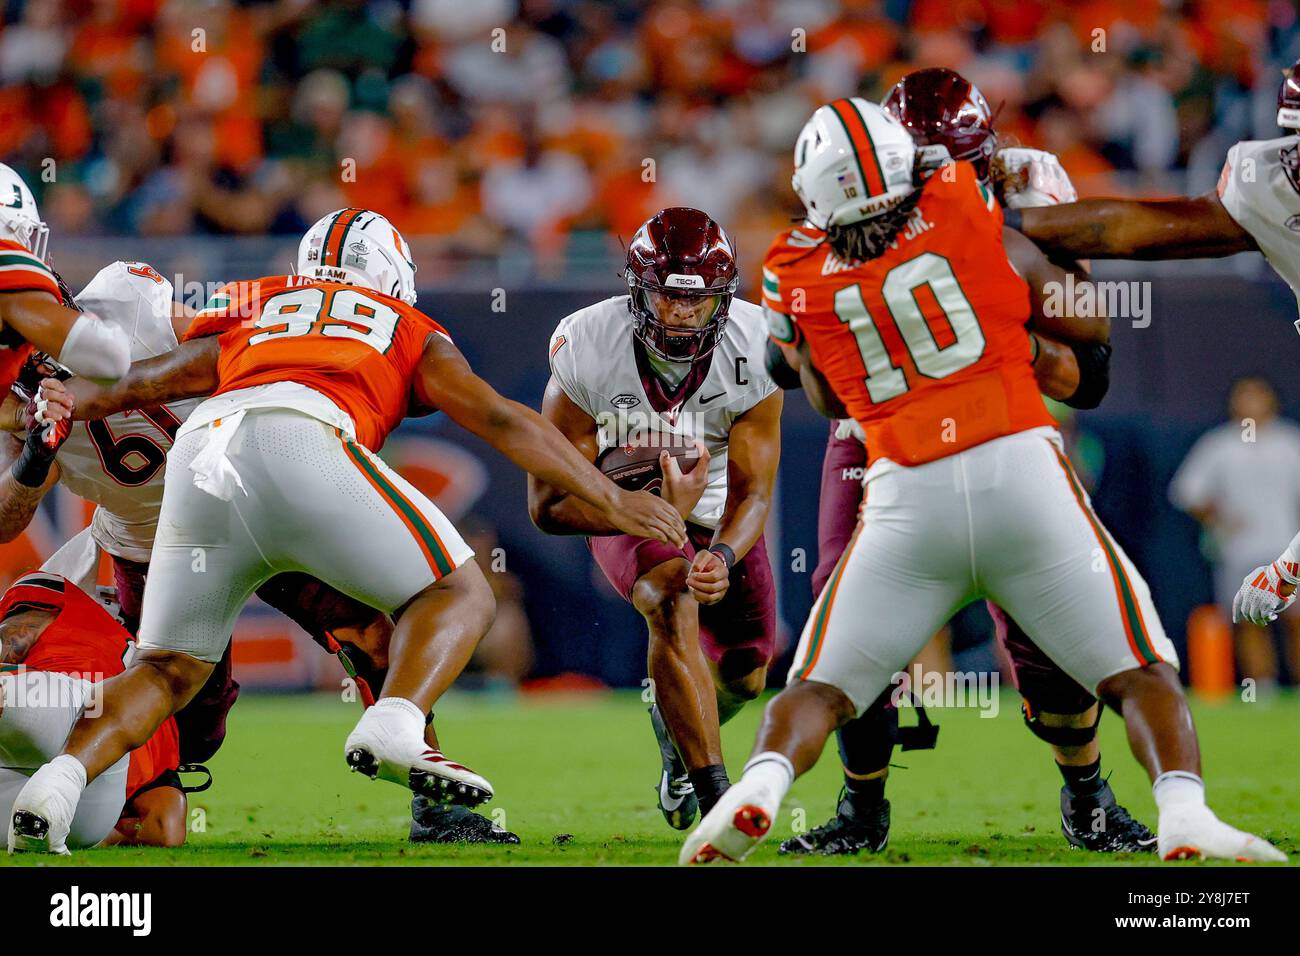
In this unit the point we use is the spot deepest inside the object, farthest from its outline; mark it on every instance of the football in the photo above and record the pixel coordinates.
(636, 466)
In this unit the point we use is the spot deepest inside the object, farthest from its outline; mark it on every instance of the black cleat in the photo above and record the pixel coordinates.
(850, 831)
(677, 801)
(1098, 823)
(433, 823)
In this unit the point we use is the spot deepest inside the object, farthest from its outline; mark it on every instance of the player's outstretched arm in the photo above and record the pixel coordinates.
(753, 453)
(444, 380)
(84, 343)
(187, 371)
(1183, 228)
(552, 509)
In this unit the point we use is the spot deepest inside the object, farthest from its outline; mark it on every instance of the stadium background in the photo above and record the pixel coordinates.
(515, 143)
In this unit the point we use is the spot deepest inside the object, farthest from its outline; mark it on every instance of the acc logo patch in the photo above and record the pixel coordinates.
(1294, 223)
(626, 400)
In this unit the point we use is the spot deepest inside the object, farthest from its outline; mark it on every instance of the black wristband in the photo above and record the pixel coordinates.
(725, 553)
(32, 466)
(1013, 219)
(1094, 375)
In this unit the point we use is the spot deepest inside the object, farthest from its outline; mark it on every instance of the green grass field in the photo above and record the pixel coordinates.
(574, 778)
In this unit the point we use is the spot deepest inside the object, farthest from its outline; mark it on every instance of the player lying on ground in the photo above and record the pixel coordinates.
(32, 313)
(942, 109)
(678, 358)
(278, 472)
(56, 645)
(117, 464)
(1268, 591)
(1254, 207)
(914, 324)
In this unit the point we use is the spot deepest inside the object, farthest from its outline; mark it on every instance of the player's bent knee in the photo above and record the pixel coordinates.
(743, 673)
(816, 693)
(177, 675)
(657, 592)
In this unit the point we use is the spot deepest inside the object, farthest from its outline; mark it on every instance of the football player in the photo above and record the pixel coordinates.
(941, 108)
(32, 311)
(117, 464)
(914, 323)
(278, 471)
(56, 644)
(679, 356)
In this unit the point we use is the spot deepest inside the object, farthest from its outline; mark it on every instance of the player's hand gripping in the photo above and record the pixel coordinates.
(708, 578)
(683, 491)
(644, 515)
(1266, 592)
(1031, 177)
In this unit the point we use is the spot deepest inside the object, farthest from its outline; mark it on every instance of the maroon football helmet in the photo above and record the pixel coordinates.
(680, 265)
(1288, 98)
(942, 108)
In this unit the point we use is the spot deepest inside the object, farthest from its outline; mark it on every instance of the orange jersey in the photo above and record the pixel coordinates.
(20, 271)
(926, 346)
(87, 642)
(357, 347)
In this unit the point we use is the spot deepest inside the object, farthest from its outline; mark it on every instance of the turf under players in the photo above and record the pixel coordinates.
(916, 328)
(679, 356)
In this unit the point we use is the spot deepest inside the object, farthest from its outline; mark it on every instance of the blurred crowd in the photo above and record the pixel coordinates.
(546, 123)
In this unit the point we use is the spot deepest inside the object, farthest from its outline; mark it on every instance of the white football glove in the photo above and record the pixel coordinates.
(846, 428)
(1031, 177)
(1258, 600)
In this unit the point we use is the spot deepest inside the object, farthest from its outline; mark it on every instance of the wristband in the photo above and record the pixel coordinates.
(1013, 219)
(725, 553)
(32, 466)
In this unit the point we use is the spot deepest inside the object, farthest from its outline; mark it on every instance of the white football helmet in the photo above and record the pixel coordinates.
(852, 161)
(359, 247)
(19, 219)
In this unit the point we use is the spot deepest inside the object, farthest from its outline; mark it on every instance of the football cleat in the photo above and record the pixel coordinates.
(1098, 823)
(1193, 832)
(734, 827)
(677, 800)
(849, 832)
(427, 772)
(434, 823)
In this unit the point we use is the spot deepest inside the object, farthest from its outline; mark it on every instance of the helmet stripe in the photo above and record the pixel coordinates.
(332, 252)
(873, 177)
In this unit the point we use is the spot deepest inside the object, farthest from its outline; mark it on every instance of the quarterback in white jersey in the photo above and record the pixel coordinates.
(678, 361)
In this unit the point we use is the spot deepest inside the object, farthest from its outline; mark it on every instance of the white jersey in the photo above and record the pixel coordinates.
(594, 362)
(117, 463)
(1260, 188)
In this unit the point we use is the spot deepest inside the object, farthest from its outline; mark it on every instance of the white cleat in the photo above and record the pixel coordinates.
(734, 827)
(1195, 833)
(424, 770)
(41, 820)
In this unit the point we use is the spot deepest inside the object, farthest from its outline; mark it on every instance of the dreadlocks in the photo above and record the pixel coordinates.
(867, 239)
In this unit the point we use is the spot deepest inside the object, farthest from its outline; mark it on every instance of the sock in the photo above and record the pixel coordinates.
(710, 784)
(1178, 788)
(1083, 781)
(69, 772)
(771, 770)
(398, 717)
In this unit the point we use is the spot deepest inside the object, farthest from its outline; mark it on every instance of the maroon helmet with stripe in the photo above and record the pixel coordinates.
(681, 275)
(942, 108)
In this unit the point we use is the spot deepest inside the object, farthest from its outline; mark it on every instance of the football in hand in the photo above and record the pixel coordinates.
(636, 466)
